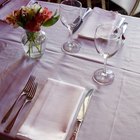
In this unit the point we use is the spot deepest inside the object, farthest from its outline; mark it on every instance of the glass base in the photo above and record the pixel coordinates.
(103, 78)
(71, 47)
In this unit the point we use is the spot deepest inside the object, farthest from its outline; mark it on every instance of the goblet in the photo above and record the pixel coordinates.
(107, 43)
(70, 16)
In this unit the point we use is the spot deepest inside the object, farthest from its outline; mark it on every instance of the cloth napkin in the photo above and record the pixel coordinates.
(97, 17)
(53, 112)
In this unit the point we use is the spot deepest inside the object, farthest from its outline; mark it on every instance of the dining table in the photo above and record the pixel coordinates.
(114, 110)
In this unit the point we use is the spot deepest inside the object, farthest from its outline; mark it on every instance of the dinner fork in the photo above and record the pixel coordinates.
(29, 98)
(25, 90)
(4, 3)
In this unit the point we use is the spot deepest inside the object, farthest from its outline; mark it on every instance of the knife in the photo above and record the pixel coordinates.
(122, 36)
(82, 18)
(119, 25)
(81, 114)
(4, 3)
(124, 27)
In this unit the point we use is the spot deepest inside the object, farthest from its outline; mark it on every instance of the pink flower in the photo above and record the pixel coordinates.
(31, 17)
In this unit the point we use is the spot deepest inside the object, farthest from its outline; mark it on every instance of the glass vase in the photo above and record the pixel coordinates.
(34, 43)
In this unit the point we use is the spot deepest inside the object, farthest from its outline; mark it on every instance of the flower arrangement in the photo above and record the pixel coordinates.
(31, 18)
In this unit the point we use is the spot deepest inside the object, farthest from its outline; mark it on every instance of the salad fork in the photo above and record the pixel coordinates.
(25, 90)
(29, 98)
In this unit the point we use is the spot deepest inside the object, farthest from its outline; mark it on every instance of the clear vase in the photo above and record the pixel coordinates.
(34, 43)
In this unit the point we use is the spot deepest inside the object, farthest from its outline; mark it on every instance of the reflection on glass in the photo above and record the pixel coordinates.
(107, 43)
(70, 16)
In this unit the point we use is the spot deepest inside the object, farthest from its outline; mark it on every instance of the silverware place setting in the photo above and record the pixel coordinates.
(29, 91)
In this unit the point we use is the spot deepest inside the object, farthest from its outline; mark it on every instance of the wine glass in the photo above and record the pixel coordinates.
(70, 16)
(107, 43)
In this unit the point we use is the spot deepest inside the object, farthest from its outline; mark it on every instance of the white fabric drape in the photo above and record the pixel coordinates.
(113, 112)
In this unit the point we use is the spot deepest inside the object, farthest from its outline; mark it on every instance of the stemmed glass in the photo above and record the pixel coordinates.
(70, 16)
(108, 41)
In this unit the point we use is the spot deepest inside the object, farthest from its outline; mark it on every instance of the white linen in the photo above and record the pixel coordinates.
(97, 17)
(113, 112)
(53, 112)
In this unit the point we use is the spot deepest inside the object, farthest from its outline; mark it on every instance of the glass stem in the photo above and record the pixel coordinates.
(70, 34)
(105, 62)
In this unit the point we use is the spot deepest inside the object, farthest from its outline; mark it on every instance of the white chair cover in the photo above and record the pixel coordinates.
(132, 7)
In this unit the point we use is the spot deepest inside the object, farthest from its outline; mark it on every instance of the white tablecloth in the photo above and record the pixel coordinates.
(114, 112)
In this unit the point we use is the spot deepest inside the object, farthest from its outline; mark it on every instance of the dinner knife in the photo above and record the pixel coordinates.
(4, 3)
(82, 18)
(81, 114)
(119, 25)
(124, 27)
(122, 36)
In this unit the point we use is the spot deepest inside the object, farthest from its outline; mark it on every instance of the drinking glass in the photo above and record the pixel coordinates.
(70, 16)
(107, 43)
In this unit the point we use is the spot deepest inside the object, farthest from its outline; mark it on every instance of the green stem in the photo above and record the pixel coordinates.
(31, 39)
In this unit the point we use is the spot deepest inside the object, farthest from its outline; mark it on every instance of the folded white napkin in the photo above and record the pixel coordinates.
(97, 17)
(53, 112)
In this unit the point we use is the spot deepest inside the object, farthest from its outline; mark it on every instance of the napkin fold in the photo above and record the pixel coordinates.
(98, 16)
(53, 112)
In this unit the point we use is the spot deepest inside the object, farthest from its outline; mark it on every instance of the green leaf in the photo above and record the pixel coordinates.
(51, 21)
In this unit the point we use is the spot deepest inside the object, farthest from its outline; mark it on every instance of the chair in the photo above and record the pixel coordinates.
(132, 7)
(58, 1)
(88, 2)
(103, 3)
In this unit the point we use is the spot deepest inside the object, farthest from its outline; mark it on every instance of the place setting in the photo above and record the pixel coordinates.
(105, 28)
(54, 112)
(57, 112)
(83, 26)
(43, 112)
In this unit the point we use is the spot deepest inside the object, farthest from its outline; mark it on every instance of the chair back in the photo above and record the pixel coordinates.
(132, 7)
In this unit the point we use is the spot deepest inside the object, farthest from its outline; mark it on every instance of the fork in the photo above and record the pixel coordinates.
(29, 98)
(4, 3)
(25, 90)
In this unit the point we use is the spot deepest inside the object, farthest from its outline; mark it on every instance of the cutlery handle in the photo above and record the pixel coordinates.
(124, 27)
(11, 124)
(4, 3)
(11, 108)
(76, 130)
(86, 13)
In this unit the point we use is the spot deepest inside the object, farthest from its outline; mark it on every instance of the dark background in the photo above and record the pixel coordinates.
(97, 3)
